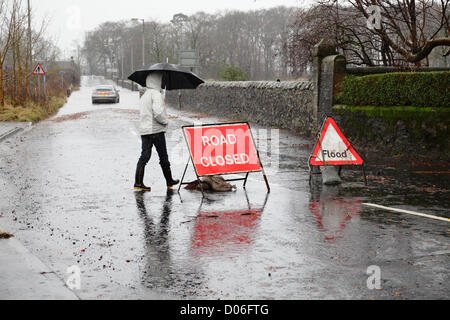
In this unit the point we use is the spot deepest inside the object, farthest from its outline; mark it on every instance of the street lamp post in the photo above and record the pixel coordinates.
(121, 71)
(111, 59)
(143, 38)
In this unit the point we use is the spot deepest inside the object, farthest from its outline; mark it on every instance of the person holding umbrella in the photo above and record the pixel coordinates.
(153, 115)
(152, 128)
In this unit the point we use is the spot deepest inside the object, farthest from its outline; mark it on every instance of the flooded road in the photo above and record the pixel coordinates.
(67, 194)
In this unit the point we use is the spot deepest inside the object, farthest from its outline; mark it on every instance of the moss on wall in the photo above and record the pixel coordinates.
(397, 131)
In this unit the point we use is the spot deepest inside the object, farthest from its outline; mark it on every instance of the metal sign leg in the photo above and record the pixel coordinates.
(364, 173)
(266, 180)
(246, 178)
(201, 186)
(248, 200)
(184, 175)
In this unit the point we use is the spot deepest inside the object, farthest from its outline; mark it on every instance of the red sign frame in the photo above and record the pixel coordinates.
(230, 150)
(224, 149)
(331, 123)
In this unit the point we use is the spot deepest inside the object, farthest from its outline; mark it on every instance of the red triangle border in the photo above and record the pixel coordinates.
(330, 121)
(39, 74)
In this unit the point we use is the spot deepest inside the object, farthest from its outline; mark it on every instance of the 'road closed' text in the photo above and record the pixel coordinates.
(235, 159)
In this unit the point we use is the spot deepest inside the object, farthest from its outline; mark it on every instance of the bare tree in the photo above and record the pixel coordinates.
(407, 34)
(308, 27)
(15, 53)
(411, 28)
(7, 16)
(251, 41)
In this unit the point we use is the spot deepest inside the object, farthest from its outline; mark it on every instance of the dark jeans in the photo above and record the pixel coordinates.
(159, 141)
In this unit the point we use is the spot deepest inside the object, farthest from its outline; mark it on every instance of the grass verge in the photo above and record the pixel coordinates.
(30, 111)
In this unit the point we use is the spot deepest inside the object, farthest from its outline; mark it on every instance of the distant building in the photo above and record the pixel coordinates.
(64, 65)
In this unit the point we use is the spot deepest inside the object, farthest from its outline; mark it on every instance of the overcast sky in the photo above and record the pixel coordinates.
(69, 19)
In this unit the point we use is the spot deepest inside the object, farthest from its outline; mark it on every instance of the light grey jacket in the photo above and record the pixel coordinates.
(153, 112)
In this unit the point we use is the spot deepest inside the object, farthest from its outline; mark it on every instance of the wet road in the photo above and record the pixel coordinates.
(67, 195)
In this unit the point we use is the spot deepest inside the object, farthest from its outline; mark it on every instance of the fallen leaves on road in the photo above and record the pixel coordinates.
(377, 178)
(431, 172)
(200, 116)
(421, 163)
(5, 235)
(303, 145)
(398, 293)
(128, 111)
(75, 116)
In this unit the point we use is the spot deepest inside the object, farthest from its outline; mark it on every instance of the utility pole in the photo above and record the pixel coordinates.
(123, 53)
(143, 39)
(132, 66)
(143, 42)
(30, 54)
(132, 59)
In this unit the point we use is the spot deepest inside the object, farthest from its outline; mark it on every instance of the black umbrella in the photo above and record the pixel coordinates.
(174, 77)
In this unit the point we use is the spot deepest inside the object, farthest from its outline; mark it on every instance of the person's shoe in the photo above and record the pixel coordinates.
(168, 176)
(139, 180)
(142, 188)
(172, 183)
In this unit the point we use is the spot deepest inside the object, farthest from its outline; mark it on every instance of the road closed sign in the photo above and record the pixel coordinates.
(222, 149)
(333, 148)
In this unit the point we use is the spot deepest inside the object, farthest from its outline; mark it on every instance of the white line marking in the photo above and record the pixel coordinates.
(407, 212)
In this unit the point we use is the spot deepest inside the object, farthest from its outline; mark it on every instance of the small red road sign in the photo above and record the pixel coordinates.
(39, 70)
(333, 148)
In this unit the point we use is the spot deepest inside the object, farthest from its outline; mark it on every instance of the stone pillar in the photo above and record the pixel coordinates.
(329, 69)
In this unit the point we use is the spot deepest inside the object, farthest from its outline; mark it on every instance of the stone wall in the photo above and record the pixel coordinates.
(280, 104)
(399, 132)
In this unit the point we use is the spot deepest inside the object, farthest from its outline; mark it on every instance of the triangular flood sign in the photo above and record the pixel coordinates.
(333, 148)
(39, 71)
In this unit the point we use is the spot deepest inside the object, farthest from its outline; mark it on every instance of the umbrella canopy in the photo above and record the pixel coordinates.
(174, 77)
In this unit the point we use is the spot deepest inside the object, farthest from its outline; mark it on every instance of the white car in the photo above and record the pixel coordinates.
(105, 93)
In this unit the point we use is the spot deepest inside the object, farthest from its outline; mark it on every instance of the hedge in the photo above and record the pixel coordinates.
(417, 89)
